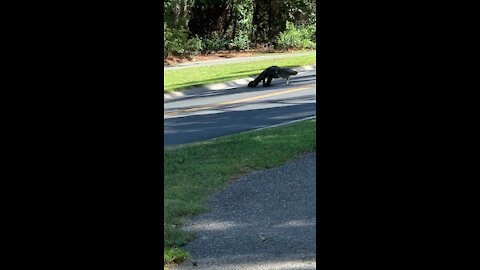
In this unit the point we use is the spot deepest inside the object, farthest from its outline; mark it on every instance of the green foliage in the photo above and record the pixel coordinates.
(243, 10)
(194, 45)
(193, 26)
(241, 41)
(215, 42)
(301, 37)
(171, 255)
(165, 40)
(269, 17)
(177, 12)
(176, 42)
(312, 26)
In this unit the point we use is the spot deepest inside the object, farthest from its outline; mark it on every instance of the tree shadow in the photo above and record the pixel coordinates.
(291, 100)
(199, 127)
(233, 76)
(295, 81)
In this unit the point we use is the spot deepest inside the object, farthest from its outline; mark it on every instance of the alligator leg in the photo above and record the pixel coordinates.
(268, 81)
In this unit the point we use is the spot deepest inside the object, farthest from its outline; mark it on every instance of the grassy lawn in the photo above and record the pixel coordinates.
(194, 171)
(195, 76)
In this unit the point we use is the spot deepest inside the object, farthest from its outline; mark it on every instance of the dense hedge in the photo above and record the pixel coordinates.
(203, 26)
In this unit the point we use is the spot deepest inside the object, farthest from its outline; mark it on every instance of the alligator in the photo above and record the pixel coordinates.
(273, 72)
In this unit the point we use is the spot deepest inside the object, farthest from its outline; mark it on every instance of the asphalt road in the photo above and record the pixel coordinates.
(263, 221)
(217, 113)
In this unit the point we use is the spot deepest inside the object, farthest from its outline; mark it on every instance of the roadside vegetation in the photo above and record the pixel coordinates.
(206, 26)
(194, 171)
(177, 79)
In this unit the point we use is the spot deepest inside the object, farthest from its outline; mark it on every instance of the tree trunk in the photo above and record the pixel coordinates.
(229, 21)
(234, 32)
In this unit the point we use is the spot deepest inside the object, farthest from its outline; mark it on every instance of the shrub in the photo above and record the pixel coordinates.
(165, 33)
(241, 41)
(312, 26)
(194, 45)
(293, 37)
(176, 42)
(215, 43)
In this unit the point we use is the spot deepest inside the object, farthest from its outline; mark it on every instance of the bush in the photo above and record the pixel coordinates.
(293, 37)
(165, 51)
(241, 41)
(194, 45)
(215, 43)
(312, 26)
(176, 42)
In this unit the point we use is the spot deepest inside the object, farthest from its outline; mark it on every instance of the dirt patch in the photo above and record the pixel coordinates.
(172, 60)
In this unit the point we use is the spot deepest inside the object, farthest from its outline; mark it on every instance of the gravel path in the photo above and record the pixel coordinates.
(265, 220)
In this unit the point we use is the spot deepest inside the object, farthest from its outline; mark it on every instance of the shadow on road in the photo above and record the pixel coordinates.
(187, 129)
(275, 83)
(292, 100)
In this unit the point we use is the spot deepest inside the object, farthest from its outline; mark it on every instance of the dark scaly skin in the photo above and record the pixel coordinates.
(273, 72)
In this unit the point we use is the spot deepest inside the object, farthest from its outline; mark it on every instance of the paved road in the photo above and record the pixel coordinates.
(217, 113)
(263, 221)
(236, 60)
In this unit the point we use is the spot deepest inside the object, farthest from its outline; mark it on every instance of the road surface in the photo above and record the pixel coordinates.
(217, 113)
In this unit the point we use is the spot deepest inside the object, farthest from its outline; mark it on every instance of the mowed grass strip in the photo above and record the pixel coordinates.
(194, 171)
(184, 78)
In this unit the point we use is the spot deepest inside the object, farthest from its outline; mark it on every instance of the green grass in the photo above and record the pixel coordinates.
(174, 254)
(178, 79)
(194, 171)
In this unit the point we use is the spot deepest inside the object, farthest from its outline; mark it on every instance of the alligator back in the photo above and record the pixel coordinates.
(273, 72)
(286, 72)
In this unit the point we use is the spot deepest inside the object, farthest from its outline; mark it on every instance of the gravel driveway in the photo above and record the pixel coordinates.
(264, 220)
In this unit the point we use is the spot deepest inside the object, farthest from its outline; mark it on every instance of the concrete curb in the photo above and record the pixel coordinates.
(220, 86)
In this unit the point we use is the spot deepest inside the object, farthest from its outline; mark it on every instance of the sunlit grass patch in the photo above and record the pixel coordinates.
(194, 171)
(173, 255)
